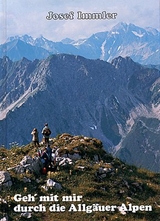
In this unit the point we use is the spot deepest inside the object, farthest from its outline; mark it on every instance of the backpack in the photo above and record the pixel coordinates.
(47, 132)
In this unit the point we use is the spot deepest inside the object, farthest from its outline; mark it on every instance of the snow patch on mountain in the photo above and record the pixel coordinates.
(137, 34)
(103, 50)
(79, 42)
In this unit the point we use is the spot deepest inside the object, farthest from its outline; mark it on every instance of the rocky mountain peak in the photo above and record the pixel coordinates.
(67, 41)
(25, 38)
(120, 62)
(120, 26)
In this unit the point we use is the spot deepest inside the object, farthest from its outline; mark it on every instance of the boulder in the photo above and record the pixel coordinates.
(26, 215)
(26, 180)
(81, 168)
(36, 165)
(29, 164)
(4, 218)
(53, 184)
(105, 170)
(5, 179)
(26, 160)
(63, 161)
(19, 169)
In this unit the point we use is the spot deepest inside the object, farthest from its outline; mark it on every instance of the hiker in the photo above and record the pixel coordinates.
(46, 133)
(35, 138)
(49, 153)
(44, 158)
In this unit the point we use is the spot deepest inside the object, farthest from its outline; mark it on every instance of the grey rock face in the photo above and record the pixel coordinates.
(5, 179)
(32, 165)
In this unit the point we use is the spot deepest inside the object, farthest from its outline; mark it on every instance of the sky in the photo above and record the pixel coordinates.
(19, 17)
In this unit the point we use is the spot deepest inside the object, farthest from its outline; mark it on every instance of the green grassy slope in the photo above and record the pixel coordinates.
(120, 184)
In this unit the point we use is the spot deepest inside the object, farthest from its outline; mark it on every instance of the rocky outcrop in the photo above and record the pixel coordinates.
(28, 165)
(5, 179)
(53, 184)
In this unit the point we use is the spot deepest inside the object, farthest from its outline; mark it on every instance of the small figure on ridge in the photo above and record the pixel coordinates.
(46, 133)
(35, 138)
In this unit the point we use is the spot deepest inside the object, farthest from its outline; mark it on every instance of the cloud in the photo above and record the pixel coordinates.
(20, 17)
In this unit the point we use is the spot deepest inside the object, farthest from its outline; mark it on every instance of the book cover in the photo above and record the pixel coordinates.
(79, 110)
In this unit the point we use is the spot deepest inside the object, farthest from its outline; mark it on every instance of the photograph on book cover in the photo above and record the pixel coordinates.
(80, 110)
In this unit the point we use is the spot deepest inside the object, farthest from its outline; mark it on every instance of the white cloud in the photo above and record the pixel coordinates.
(29, 17)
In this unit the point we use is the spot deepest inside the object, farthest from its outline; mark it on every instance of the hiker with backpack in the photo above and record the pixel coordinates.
(46, 133)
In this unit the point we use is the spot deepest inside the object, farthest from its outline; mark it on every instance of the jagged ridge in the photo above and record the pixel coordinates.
(142, 45)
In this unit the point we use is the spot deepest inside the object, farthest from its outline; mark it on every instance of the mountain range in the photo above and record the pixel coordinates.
(141, 44)
(117, 102)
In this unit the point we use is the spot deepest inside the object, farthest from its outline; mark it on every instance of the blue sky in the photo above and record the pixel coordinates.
(19, 17)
